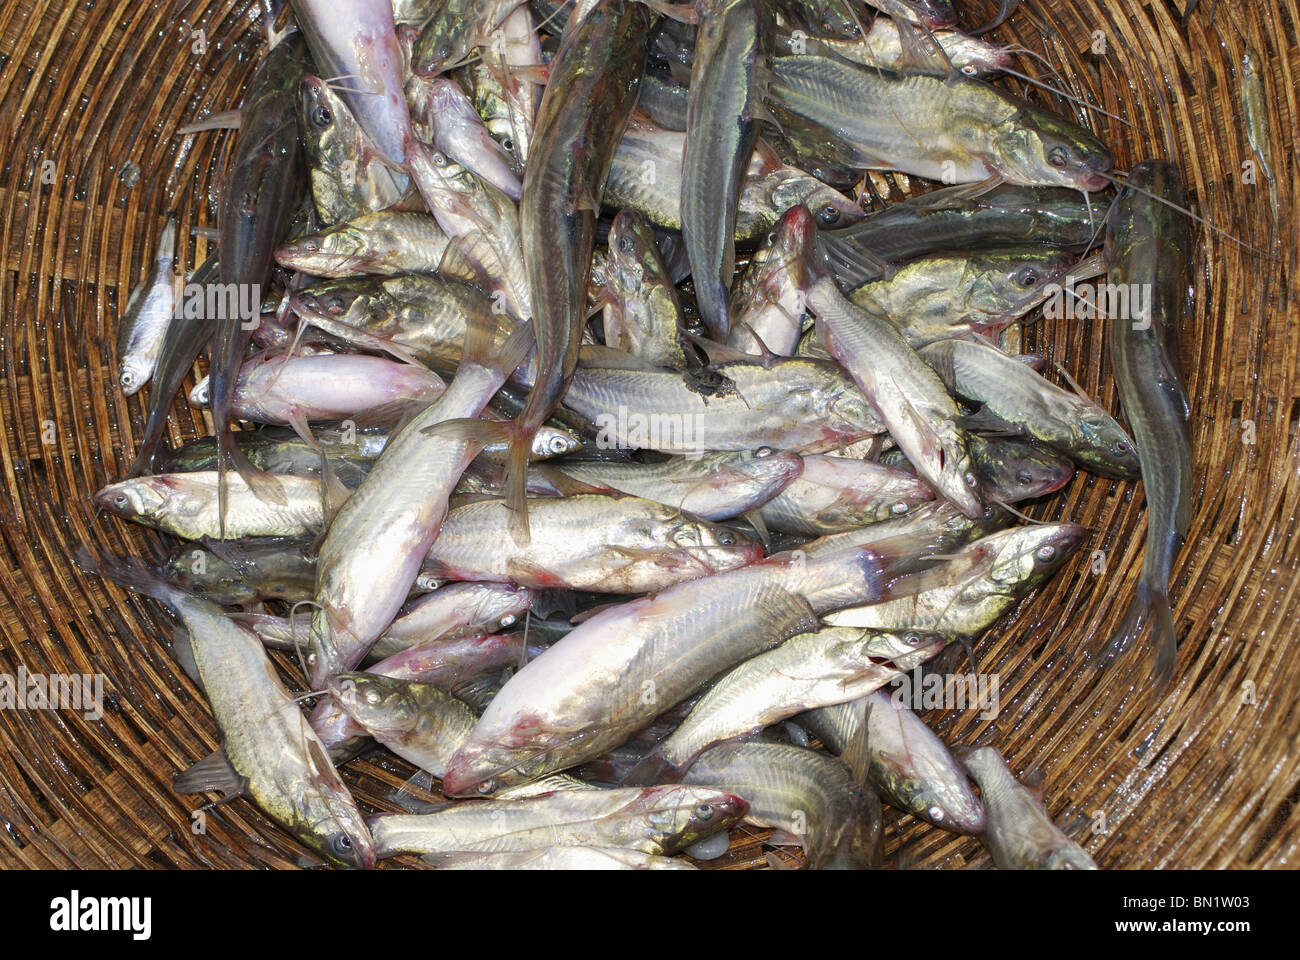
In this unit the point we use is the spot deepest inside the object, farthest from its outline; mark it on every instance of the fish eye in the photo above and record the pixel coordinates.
(970, 70)
(764, 452)
(444, 51)
(912, 639)
(508, 620)
(1028, 278)
(828, 215)
(128, 378)
(121, 500)
(626, 245)
(341, 844)
(936, 813)
(508, 145)
(1024, 476)
(372, 696)
(727, 538)
(486, 786)
(1056, 157)
(971, 480)
(440, 159)
(321, 116)
(311, 246)
(334, 304)
(704, 811)
(1045, 552)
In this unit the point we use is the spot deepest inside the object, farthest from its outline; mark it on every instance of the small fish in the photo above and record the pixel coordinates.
(642, 314)
(908, 766)
(1020, 834)
(834, 494)
(149, 312)
(386, 243)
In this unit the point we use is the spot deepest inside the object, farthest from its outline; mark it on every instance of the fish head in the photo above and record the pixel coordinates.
(631, 247)
(325, 817)
(1037, 147)
(710, 547)
(766, 471)
(202, 572)
(1103, 446)
(383, 705)
(1006, 284)
(201, 394)
(550, 442)
(849, 414)
(142, 497)
(684, 815)
(444, 42)
(1026, 556)
(1015, 470)
(829, 208)
(973, 56)
(133, 375)
(346, 300)
(324, 119)
(499, 606)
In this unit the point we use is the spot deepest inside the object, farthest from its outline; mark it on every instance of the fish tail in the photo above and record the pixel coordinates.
(1149, 603)
(516, 481)
(129, 573)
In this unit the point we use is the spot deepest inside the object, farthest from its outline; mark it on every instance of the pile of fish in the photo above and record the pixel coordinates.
(590, 446)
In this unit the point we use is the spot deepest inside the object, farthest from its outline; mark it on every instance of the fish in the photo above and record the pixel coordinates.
(186, 505)
(1148, 242)
(387, 243)
(617, 670)
(811, 797)
(564, 858)
(834, 494)
(944, 296)
(376, 542)
(417, 316)
(361, 49)
(445, 115)
(1020, 834)
(882, 46)
(183, 340)
(417, 721)
(242, 571)
(588, 541)
(659, 820)
(1014, 470)
(963, 596)
(910, 124)
(810, 670)
(267, 752)
(723, 111)
(586, 105)
(453, 611)
(149, 311)
(769, 301)
(1013, 397)
(641, 310)
(455, 28)
(259, 199)
(962, 217)
(797, 404)
(713, 486)
(646, 176)
(909, 767)
(347, 176)
(907, 395)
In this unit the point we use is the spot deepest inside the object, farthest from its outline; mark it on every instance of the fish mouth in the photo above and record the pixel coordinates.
(1093, 182)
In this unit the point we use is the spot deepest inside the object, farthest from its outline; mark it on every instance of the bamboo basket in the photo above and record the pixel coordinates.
(1207, 775)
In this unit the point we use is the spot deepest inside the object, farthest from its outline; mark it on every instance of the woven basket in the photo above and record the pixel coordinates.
(91, 96)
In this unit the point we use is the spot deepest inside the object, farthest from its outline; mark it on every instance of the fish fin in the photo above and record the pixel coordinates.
(130, 574)
(755, 519)
(986, 420)
(921, 53)
(265, 486)
(582, 200)
(538, 73)
(1148, 604)
(476, 433)
(857, 752)
(653, 770)
(567, 486)
(784, 838)
(213, 772)
(592, 611)
(851, 264)
(458, 265)
(224, 120)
